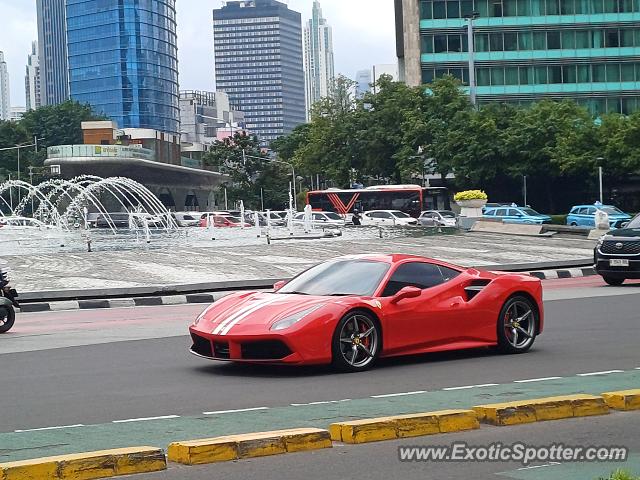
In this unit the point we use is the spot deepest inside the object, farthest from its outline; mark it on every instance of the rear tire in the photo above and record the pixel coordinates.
(574, 224)
(517, 325)
(356, 342)
(614, 282)
(7, 318)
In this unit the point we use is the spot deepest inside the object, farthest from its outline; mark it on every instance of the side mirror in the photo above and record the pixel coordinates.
(278, 285)
(624, 224)
(406, 292)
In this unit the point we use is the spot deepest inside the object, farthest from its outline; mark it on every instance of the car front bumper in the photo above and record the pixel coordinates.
(292, 348)
(603, 266)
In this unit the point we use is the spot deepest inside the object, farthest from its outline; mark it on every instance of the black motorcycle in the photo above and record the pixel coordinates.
(8, 301)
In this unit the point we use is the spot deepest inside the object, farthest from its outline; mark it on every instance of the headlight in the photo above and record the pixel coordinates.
(601, 240)
(293, 319)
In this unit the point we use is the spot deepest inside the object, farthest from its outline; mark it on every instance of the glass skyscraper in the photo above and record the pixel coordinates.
(259, 64)
(52, 49)
(586, 50)
(123, 60)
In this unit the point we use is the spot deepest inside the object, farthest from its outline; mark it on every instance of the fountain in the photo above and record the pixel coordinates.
(65, 203)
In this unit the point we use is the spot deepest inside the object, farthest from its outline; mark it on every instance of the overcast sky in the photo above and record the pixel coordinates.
(363, 35)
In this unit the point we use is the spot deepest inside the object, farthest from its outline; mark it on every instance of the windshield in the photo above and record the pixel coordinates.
(333, 216)
(399, 214)
(342, 277)
(635, 223)
(530, 211)
(447, 214)
(612, 210)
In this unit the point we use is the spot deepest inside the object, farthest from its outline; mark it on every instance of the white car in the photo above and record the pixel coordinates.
(321, 219)
(275, 219)
(22, 223)
(387, 217)
(438, 218)
(187, 219)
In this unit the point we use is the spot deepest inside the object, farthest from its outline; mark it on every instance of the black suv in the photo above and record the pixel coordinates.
(617, 255)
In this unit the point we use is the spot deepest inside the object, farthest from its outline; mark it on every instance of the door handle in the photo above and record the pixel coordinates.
(455, 304)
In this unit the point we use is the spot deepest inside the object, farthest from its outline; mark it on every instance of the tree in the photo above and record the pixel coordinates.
(253, 175)
(51, 125)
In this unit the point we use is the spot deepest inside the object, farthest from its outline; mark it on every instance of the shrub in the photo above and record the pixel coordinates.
(620, 475)
(470, 195)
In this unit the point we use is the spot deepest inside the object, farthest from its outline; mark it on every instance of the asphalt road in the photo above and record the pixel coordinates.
(379, 461)
(99, 383)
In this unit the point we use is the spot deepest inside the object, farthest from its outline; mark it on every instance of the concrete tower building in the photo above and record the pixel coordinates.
(32, 87)
(318, 57)
(5, 97)
(259, 64)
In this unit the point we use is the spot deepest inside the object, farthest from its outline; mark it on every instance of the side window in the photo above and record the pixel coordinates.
(591, 211)
(490, 213)
(385, 215)
(448, 273)
(501, 212)
(414, 274)
(317, 216)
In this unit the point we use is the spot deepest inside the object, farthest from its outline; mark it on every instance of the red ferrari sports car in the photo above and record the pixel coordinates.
(352, 310)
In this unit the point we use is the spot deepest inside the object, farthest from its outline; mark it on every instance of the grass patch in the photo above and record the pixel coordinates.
(620, 475)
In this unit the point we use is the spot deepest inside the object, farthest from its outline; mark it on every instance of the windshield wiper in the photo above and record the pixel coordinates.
(294, 293)
(340, 294)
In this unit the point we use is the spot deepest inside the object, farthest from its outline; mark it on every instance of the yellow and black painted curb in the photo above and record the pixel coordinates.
(234, 447)
(541, 409)
(403, 426)
(86, 466)
(127, 461)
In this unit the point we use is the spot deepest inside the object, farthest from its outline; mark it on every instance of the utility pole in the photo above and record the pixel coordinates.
(472, 66)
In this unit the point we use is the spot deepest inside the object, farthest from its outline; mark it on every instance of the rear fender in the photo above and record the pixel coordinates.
(5, 302)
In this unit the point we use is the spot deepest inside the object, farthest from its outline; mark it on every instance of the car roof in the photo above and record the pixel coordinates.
(396, 258)
(592, 205)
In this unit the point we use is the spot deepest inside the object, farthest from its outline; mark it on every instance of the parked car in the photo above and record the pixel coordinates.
(516, 214)
(387, 217)
(438, 218)
(275, 219)
(585, 215)
(489, 206)
(187, 219)
(617, 255)
(321, 219)
(222, 220)
(117, 220)
(21, 223)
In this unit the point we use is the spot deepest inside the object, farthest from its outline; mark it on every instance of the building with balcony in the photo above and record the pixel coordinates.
(206, 117)
(318, 57)
(148, 156)
(525, 50)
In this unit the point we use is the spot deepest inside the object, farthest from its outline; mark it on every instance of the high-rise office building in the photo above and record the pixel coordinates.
(363, 82)
(318, 56)
(52, 51)
(123, 61)
(5, 97)
(259, 63)
(32, 79)
(586, 50)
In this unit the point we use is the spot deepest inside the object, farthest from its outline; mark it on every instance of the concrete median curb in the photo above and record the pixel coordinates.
(403, 426)
(250, 445)
(623, 400)
(89, 465)
(541, 409)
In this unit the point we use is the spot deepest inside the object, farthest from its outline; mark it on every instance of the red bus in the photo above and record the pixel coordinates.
(411, 199)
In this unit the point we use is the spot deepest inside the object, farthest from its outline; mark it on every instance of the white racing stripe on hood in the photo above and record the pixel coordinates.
(238, 318)
(246, 309)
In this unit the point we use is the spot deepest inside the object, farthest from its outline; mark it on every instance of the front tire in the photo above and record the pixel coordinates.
(517, 325)
(7, 318)
(614, 282)
(356, 342)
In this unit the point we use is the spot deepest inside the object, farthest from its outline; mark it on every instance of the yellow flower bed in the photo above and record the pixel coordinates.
(470, 195)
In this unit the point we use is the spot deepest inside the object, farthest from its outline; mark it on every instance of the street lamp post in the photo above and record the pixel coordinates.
(472, 68)
(600, 173)
(525, 189)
